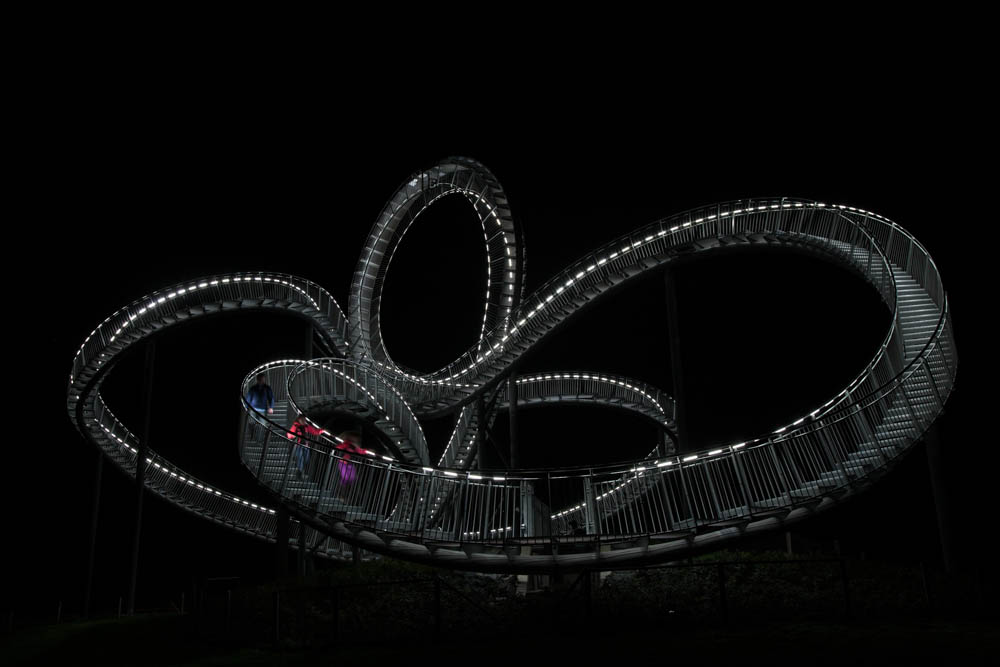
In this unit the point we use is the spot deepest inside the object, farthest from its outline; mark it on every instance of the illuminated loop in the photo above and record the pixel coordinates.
(505, 259)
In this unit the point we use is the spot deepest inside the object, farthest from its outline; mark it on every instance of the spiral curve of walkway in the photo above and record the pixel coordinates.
(449, 512)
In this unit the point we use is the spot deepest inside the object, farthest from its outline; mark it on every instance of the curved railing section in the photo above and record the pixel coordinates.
(171, 307)
(348, 386)
(393, 501)
(563, 388)
(504, 252)
(772, 222)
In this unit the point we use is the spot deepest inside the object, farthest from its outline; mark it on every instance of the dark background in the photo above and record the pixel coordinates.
(133, 189)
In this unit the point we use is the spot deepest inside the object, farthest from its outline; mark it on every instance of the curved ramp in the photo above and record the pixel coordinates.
(456, 516)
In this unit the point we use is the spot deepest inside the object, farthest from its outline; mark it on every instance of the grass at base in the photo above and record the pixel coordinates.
(779, 612)
(170, 640)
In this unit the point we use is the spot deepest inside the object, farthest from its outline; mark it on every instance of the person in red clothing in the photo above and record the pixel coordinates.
(300, 429)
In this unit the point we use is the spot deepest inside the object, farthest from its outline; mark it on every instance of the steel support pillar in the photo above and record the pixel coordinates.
(309, 342)
(527, 508)
(302, 539)
(932, 443)
(676, 366)
(590, 519)
(305, 564)
(515, 456)
(480, 443)
(140, 467)
(94, 513)
(281, 541)
(665, 445)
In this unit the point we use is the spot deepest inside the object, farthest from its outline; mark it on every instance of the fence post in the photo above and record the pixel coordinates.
(336, 614)
(59, 612)
(927, 587)
(437, 608)
(300, 614)
(229, 611)
(980, 596)
(723, 602)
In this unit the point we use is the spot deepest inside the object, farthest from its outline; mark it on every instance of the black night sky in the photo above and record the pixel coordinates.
(131, 200)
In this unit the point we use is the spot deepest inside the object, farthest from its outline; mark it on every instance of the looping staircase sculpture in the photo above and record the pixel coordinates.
(449, 512)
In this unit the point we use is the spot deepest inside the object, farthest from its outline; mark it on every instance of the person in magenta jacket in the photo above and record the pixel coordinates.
(347, 472)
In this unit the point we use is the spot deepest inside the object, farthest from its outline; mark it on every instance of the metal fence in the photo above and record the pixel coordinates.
(396, 606)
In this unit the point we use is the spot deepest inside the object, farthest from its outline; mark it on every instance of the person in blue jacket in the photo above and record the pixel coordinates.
(260, 397)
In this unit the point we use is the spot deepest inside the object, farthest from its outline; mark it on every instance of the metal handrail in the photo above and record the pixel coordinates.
(475, 379)
(567, 387)
(595, 471)
(888, 386)
(99, 353)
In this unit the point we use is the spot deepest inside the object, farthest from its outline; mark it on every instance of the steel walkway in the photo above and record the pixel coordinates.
(450, 513)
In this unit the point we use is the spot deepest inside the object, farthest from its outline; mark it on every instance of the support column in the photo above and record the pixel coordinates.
(515, 455)
(281, 545)
(94, 513)
(480, 444)
(932, 443)
(675, 359)
(140, 467)
(302, 539)
(590, 519)
(309, 342)
(527, 508)
(306, 557)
